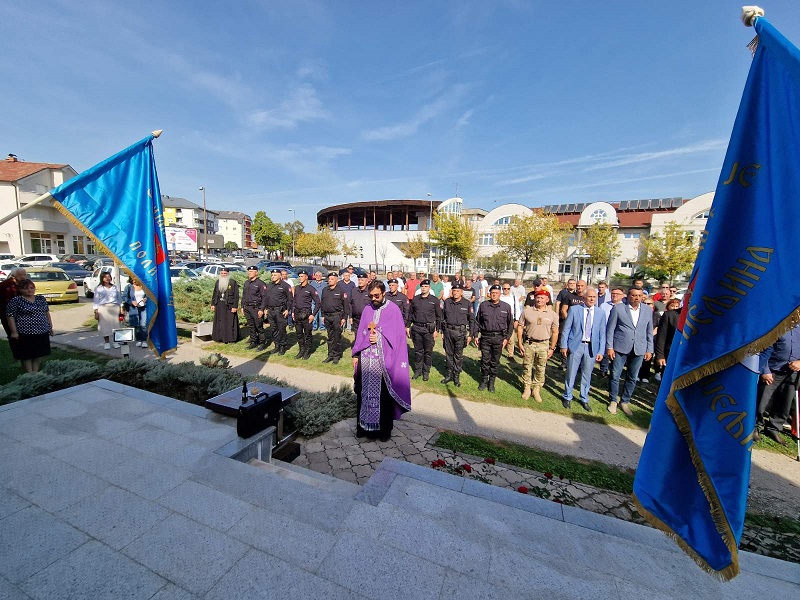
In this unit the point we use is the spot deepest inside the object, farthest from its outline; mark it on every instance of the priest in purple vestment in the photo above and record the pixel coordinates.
(380, 363)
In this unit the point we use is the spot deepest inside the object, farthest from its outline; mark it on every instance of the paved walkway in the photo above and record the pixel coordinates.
(111, 492)
(775, 479)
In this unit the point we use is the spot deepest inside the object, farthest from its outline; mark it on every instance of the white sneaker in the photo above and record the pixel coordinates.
(116, 345)
(106, 346)
(645, 380)
(657, 377)
(140, 344)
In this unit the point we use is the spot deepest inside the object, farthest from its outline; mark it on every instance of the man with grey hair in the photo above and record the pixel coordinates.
(8, 290)
(225, 306)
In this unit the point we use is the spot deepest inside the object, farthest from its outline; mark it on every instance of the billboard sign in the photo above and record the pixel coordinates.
(181, 240)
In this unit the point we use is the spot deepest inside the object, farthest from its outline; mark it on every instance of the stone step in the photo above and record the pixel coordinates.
(307, 476)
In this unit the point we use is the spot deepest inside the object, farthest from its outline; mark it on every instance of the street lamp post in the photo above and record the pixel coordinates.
(430, 244)
(294, 218)
(205, 219)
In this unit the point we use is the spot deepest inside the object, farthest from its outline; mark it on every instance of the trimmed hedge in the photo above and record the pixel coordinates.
(311, 414)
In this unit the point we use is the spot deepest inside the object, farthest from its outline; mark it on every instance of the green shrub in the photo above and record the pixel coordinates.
(193, 297)
(312, 413)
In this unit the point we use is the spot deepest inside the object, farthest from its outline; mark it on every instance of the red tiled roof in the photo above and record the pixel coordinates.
(14, 171)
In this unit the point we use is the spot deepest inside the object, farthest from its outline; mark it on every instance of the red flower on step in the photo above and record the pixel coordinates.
(548, 475)
(467, 467)
(561, 477)
(522, 489)
(557, 500)
(489, 461)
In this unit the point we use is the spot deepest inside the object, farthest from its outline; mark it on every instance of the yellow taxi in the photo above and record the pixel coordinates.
(54, 284)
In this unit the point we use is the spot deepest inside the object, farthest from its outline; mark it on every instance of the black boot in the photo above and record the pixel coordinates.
(425, 376)
(457, 380)
(484, 384)
(448, 379)
(491, 384)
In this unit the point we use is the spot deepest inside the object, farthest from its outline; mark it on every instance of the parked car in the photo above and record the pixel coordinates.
(311, 270)
(76, 272)
(72, 258)
(7, 267)
(214, 270)
(37, 259)
(54, 284)
(176, 273)
(356, 271)
(193, 265)
(6, 257)
(93, 280)
(268, 265)
(102, 261)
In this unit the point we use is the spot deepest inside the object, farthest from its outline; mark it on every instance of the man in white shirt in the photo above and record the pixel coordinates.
(519, 291)
(617, 294)
(446, 287)
(484, 287)
(629, 341)
(548, 287)
(510, 299)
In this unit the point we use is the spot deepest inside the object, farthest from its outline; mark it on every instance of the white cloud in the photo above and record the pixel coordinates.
(302, 105)
(705, 146)
(464, 119)
(423, 115)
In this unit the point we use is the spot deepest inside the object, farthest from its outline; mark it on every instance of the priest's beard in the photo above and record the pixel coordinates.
(376, 304)
(223, 284)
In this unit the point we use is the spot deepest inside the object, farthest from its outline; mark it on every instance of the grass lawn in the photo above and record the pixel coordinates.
(10, 369)
(508, 384)
(592, 473)
(589, 472)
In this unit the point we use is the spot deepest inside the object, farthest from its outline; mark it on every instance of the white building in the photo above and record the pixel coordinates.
(378, 229)
(41, 228)
(235, 227)
(399, 220)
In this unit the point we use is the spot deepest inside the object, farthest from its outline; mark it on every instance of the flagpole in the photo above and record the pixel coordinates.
(47, 196)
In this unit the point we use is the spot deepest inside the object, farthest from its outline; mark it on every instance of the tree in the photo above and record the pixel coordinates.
(538, 237)
(601, 244)
(291, 231)
(670, 252)
(497, 263)
(382, 250)
(231, 246)
(414, 248)
(347, 249)
(266, 233)
(321, 244)
(455, 236)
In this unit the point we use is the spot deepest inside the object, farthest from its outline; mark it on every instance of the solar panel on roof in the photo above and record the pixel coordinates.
(676, 202)
(623, 205)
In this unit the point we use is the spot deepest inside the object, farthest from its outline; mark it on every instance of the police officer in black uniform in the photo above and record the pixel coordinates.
(305, 296)
(424, 320)
(458, 329)
(398, 298)
(496, 325)
(278, 303)
(359, 298)
(254, 292)
(335, 310)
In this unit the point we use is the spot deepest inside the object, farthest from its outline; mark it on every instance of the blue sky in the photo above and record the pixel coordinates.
(303, 104)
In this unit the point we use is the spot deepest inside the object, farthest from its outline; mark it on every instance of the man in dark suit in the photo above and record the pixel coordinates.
(629, 341)
(583, 341)
(777, 386)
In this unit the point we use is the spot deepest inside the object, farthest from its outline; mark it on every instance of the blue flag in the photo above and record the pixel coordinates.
(118, 204)
(694, 471)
